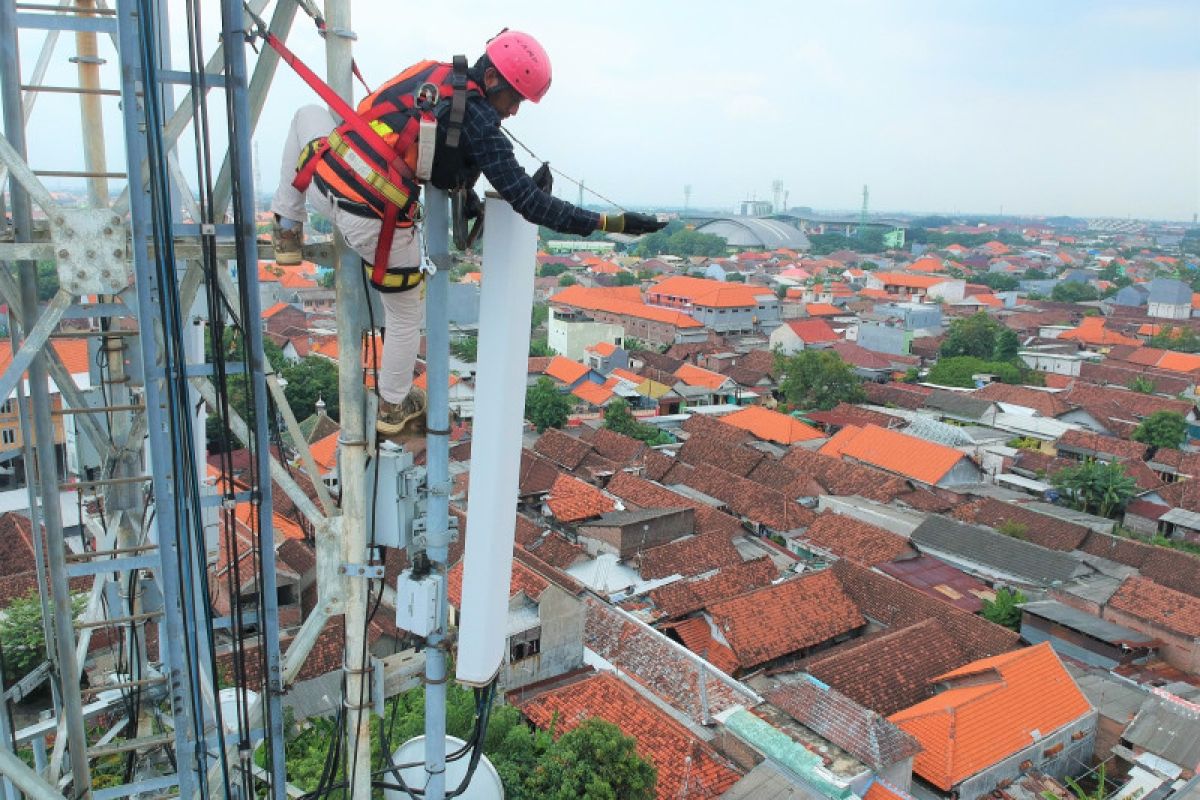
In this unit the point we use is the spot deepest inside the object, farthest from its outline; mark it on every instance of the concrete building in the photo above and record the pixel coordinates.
(1169, 299)
(884, 339)
(755, 233)
(571, 332)
(719, 306)
(627, 533)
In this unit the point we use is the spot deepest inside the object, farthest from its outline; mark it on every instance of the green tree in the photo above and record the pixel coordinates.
(1074, 292)
(1162, 429)
(618, 418)
(593, 761)
(546, 406)
(539, 315)
(309, 379)
(626, 278)
(327, 279)
(817, 379)
(1095, 487)
(567, 279)
(1141, 385)
(735, 277)
(982, 337)
(1183, 340)
(539, 348)
(997, 281)
(551, 270)
(1004, 609)
(47, 280)
(466, 348)
(1035, 274)
(23, 637)
(678, 240)
(958, 371)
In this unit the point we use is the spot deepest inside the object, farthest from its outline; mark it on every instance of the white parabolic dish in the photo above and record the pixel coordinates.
(485, 783)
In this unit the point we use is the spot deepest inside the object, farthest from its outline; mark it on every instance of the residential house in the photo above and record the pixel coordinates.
(1169, 299)
(996, 718)
(604, 357)
(701, 387)
(924, 462)
(545, 622)
(1082, 636)
(772, 426)
(1170, 616)
(282, 316)
(719, 306)
(995, 556)
(916, 287)
(620, 306)
(802, 334)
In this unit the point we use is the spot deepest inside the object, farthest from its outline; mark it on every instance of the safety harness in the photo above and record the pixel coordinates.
(375, 161)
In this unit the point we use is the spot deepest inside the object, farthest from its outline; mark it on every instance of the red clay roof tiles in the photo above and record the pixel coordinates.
(1143, 598)
(683, 597)
(787, 617)
(686, 765)
(847, 537)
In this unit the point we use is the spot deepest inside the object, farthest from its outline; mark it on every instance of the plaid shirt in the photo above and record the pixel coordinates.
(492, 152)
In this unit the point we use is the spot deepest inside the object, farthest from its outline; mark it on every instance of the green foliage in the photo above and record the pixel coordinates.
(957, 371)
(23, 636)
(982, 337)
(625, 278)
(871, 241)
(1095, 487)
(997, 281)
(618, 418)
(678, 240)
(1074, 292)
(466, 348)
(735, 277)
(1013, 528)
(239, 396)
(919, 233)
(47, 280)
(539, 348)
(1025, 443)
(1183, 340)
(546, 406)
(817, 380)
(593, 761)
(1003, 610)
(327, 279)
(1035, 274)
(1162, 429)
(550, 270)
(539, 316)
(310, 379)
(911, 375)
(567, 279)
(1141, 385)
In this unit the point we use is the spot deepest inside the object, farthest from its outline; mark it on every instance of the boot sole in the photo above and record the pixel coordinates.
(289, 261)
(393, 428)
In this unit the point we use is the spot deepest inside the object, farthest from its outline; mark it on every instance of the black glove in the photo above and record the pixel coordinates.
(631, 223)
(543, 178)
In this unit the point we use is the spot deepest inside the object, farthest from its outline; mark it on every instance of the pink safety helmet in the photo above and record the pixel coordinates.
(522, 62)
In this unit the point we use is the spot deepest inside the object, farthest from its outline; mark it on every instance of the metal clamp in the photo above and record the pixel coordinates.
(370, 571)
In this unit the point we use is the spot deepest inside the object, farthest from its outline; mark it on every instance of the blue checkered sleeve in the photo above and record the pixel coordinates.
(491, 150)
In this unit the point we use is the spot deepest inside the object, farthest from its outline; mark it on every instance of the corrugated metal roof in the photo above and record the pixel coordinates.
(1169, 727)
(1090, 624)
(995, 552)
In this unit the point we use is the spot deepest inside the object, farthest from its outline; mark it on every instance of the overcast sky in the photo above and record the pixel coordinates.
(1065, 107)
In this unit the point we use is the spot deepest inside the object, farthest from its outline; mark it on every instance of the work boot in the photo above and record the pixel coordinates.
(288, 244)
(405, 418)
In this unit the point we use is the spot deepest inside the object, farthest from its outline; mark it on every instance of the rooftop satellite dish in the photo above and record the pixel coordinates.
(485, 783)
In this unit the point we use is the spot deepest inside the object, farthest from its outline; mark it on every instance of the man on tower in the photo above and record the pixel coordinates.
(434, 122)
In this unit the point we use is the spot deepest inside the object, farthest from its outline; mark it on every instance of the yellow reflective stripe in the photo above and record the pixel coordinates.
(374, 179)
(398, 280)
(381, 127)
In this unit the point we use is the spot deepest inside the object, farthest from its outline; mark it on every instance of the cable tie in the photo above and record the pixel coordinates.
(437, 431)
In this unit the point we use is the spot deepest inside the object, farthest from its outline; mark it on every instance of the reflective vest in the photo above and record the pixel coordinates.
(374, 172)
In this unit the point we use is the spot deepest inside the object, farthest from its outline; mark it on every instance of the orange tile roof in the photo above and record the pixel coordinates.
(875, 294)
(993, 709)
(595, 393)
(687, 766)
(1092, 331)
(839, 440)
(927, 264)
(422, 381)
(995, 248)
(697, 636)
(564, 369)
(899, 453)
(626, 375)
(273, 310)
(772, 622)
(909, 281)
(472, 277)
(73, 352)
(604, 268)
(882, 790)
(572, 500)
(772, 426)
(327, 348)
(813, 331)
(710, 293)
(623, 300)
(324, 451)
(822, 310)
(1179, 362)
(698, 376)
(988, 300)
(603, 348)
